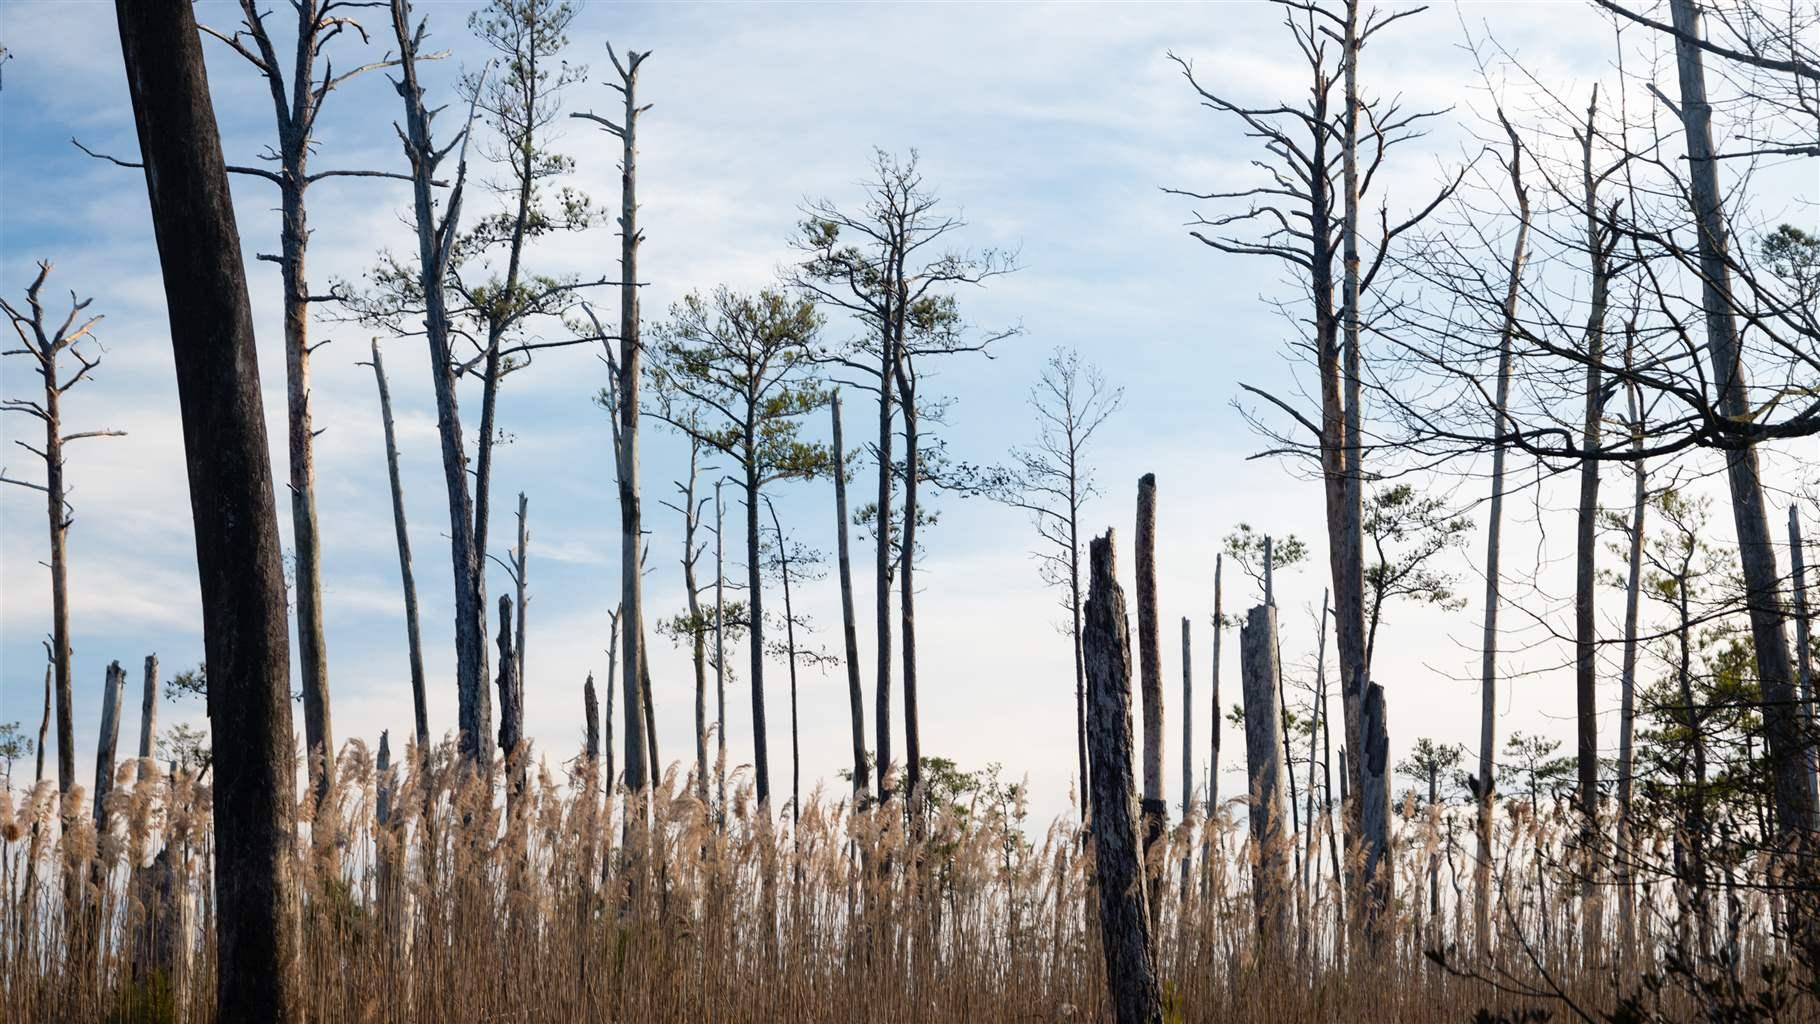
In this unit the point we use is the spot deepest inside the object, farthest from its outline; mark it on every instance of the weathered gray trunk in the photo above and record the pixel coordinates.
(849, 627)
(1803, 668)
(1187, 747)
(650, 712)
(1494, 527)
(112, 693)
(1131, 977)
(1375, 815)
(630, 359)
(612, 775)
(148, 709)
(1150, 680)
(521, 570)
(1258, 665)
(1627, 713)
(434, 240)
(1794, 797)
(407, 576)
(238, 556)
(590, 709)
(44, 725)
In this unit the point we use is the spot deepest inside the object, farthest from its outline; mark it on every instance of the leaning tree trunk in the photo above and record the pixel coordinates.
(1270, 885)
(849, 628)
(112, 693)
(413, 637)
(1794, 797)
(238, 556)
(1486, 794)
(1119, 881)
(1150, 677)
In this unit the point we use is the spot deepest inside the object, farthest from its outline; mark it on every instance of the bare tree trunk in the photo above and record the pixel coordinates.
(413, 636)
(1187, 749)
(511, 709)
(1627, 715)
(650, 708)
(44, 725)
(1213, 723)
(1311, 851)
(720, 656)
(906, 582)
(1586, 639)
(1295, 820)
(1803, 668)
(520, 570)
(755, 633)
(1074, 616)
(881, 710)
(1375, 815)
(607, 720)
(148, 710)
(796, 746)
(1757, 557)
(236, 527)
(112, 693)
(434, 243)
(1124, 916)
(1258, 663)
(849, 628)
(1150, 680)
(630, 358)
(1486, 794)
(590, 709)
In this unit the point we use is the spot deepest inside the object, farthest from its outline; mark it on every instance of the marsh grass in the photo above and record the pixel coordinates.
(615, 908)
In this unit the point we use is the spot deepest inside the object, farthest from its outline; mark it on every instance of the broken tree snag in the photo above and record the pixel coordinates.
(1374, 810)
(238, 558)
(148, 710)
(106, 745)
(511, 708)
(1150, 669)
(1124, 916)
(1264, 765)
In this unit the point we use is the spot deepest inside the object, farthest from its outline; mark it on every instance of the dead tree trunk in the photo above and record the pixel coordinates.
(112, 693)
(630, 358)
(435, 239)
(413, 637)
(849, 628)
(720, 656)
(1794, 796)
(1258, 664)
(1213, 723)
(1124, 915)
(1803, 667)
(1486, 788)
(148, 710)
(906, 582)
(881, 710)
(1150, 676)
(1379, 877)
(520, 567)
(511, 709)
(1187, 748)
(231, 499)
(44, 726)
(1627, 714)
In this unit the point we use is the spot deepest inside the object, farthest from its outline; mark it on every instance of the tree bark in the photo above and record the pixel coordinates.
(237, 549)
(1187, 746)
(1803, 645)
(755, 605)
(434, 242)
(1627, 714)
(630, 359)
(881, 710)
(148, 710)
(408, 577)
(1258, 664)
(511, 709)
(906, 582)
(1150, 678)
(1486, 796)
(44, 725)
(520, 566)
(1213, 723)
(1794, 797)
(112, 693)
(849, 628)
(1124, 916)
(1375, 816)
(720, 656)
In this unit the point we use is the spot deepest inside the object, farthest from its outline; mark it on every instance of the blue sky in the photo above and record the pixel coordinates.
(1051, 128)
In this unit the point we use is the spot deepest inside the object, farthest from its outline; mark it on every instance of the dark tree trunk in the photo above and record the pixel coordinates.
(148, 710)
(408, 577)
(755, 604)
(1803, 646)
(881, 709)
(106, 746)
(236, 526)
(511, 709)
(1124, 916)
(631, 544)
(849, 628)
(906, 583)
(1379, 876)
